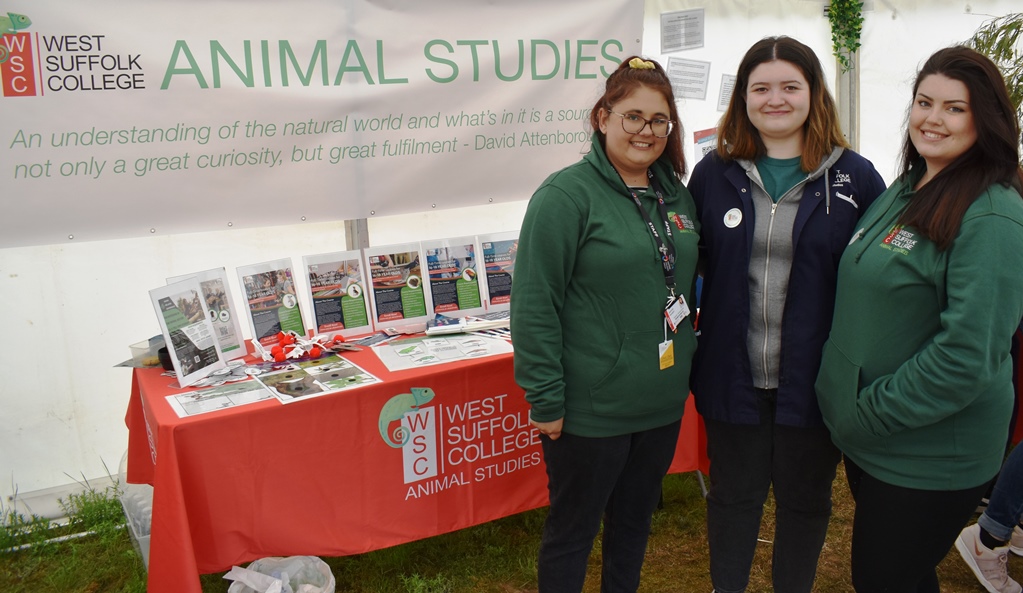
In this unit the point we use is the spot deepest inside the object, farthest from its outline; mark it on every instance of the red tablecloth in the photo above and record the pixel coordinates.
(317, 478)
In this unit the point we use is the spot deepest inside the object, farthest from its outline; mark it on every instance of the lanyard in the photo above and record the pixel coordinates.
(666, 250)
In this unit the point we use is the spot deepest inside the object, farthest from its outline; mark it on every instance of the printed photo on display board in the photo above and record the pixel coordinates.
(499, 262)
(337, 293)
(453, 268)
(272, 300)
(217, 293)
(399, 296)
(187, 330)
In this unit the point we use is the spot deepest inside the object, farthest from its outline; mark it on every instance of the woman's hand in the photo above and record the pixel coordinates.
(551, 429)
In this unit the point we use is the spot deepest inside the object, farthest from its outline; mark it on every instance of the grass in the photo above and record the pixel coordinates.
(496, 557)
(51, 558)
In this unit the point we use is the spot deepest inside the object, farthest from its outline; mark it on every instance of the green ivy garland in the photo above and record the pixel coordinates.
(846, 18)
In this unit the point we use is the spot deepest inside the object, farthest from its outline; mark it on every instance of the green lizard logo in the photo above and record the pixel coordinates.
(11, 24)
(396, 408)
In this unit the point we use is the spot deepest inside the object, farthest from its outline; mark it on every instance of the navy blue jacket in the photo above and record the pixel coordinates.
(721, 379)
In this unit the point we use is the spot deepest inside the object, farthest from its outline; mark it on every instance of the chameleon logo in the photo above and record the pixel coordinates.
(11, 24)
(396, 408)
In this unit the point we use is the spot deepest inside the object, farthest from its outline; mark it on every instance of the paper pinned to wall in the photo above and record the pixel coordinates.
(682, 29)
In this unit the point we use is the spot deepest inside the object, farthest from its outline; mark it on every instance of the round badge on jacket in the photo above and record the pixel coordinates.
(733, 217)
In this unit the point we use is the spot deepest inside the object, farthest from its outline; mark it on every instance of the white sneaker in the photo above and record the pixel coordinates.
(989, 566)
(1016, 543)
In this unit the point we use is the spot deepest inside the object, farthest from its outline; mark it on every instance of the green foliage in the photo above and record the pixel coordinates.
(1001, 39)
(846, 18)
(19, 530)
(92, 552)
(96, 511)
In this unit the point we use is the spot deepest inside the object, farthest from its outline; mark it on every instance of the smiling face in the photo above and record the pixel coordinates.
(941, 125)
(778, 103)
(632, 154)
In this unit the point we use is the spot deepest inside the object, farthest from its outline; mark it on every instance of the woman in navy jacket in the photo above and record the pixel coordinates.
(778, 202)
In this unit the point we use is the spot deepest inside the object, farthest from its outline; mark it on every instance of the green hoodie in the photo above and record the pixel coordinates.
(916, 381)
(588, 301)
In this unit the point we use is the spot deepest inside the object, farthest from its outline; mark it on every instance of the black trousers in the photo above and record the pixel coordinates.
(900, 535)
(614, 479)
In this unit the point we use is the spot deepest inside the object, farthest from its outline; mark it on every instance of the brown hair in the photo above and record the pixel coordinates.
(739, 139)
(621, 84)
(937, 208)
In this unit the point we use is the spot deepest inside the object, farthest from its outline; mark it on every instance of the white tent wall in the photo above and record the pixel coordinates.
(71, 310)
(897, 36)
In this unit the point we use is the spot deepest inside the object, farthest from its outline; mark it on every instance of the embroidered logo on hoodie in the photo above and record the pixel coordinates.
(899, 240)
(683, 222)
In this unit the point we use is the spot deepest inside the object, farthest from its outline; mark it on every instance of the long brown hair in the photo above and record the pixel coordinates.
(739, 139)
(937, 208)
(621, 84)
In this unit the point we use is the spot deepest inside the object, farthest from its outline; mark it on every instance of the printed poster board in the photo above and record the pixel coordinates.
(453, 267)
(271, 300)
(187, 330)
(499, 251)
(216, 291)
(400, 300)
(337, 293)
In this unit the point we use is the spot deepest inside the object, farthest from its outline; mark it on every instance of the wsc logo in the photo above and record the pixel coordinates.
(415, 434)
(16, 67)
(457, 443)
(11, 24)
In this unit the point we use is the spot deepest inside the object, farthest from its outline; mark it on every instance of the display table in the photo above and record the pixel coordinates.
(316, 477)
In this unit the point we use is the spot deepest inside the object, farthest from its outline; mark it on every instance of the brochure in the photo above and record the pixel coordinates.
(313, 378)
(271, 298)
(454, 275)
(499, 260)
(337, 293)
(226, 326)
(409, 353)
(399, 298)
(441, 325)
(221, 397)
(187, 330)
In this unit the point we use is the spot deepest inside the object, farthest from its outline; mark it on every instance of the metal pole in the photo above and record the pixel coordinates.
(356, 234)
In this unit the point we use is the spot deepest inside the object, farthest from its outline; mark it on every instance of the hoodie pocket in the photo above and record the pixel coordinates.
(838, 392)
(634, 385)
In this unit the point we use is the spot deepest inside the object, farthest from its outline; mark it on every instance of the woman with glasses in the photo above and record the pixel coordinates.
(777, 202)
(603, 336)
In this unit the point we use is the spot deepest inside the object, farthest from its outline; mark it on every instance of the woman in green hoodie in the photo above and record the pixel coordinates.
(916, 381)
(603, 340)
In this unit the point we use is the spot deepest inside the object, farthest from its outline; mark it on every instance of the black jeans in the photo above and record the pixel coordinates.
(745, 461)
(614, 478)
(900, 535)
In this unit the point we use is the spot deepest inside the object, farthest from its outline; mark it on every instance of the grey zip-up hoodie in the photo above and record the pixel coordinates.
(769, 267)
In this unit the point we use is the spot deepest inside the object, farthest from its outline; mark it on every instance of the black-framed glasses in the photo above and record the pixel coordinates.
(634, 124)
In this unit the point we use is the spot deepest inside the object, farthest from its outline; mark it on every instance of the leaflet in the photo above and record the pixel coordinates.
(409, 353)
(313, 378)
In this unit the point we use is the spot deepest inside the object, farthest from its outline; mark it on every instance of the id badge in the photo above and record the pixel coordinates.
(666, 352)
(675, 311)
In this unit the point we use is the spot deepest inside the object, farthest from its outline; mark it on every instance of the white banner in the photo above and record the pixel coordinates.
(126, 118)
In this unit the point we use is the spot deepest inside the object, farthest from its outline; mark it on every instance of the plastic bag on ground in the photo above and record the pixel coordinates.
(294, 574)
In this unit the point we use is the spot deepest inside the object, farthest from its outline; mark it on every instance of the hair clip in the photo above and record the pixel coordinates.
(641, 64)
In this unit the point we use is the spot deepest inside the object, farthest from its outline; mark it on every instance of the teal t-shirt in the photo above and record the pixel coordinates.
(779, 175)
